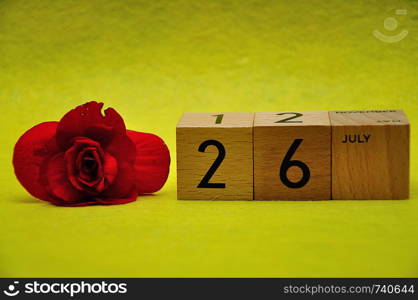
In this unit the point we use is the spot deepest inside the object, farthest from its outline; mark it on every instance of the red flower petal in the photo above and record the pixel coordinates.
(31, 150)
(131, 196)
(123, 150)
(110, 168)
(76, 122)
(54, 177)
(152, 163)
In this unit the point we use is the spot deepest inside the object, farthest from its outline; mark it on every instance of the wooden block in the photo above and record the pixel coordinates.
(292, 155)
(370, 154)
(215, 156)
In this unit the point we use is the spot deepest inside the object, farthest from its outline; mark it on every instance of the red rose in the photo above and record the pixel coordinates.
(87, 158)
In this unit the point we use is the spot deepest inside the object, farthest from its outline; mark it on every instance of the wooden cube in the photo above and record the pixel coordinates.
(215, 156)
(370, 154)
(292, 155)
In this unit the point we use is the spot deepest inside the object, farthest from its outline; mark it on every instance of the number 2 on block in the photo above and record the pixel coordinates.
(288, 120)
(287, 163)
(221, 155)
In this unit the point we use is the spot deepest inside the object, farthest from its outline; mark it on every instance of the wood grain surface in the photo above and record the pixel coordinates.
(370, 154)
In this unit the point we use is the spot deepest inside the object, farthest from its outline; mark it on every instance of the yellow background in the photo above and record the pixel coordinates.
(153, 60)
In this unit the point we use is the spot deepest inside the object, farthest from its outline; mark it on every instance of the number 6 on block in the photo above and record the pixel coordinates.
(215, 156)
(292, 155)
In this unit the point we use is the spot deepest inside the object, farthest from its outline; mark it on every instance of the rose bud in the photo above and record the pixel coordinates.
(89, 158)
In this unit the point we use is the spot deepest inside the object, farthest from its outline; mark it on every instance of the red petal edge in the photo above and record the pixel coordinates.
(152, 164)
(31, 150)
(78, 120)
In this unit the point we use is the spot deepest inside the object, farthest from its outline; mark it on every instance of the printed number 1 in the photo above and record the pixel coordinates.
(218, 118)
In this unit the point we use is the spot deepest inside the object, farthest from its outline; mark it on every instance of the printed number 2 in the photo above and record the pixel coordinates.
(221, 155)
(287, 120)
(287, 163)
